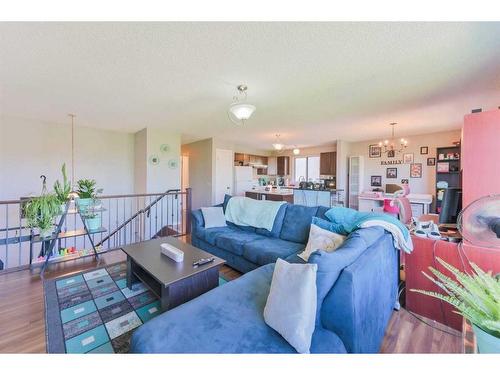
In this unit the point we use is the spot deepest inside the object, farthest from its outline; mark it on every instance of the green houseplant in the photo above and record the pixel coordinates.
(476, 296)
(62, 190)
(41, 211)
(87, 191)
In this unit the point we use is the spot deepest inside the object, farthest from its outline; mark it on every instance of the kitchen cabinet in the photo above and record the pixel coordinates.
(270, 196)
(272, 165)
(283, 165)
(328, 163)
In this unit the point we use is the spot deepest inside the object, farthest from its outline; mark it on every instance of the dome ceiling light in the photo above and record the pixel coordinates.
(240, 111)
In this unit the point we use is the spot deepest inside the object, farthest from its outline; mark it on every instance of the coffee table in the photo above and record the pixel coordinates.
(173, 283)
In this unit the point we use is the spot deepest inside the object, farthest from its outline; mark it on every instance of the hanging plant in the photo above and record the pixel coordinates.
(41, 211)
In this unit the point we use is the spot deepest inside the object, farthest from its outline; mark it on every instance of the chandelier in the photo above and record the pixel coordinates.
(390, 146)
(240, 111)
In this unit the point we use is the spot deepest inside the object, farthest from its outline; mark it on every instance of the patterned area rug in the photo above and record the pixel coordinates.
(95, 312)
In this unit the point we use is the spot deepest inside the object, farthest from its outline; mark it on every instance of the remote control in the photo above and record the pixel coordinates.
(203, 261)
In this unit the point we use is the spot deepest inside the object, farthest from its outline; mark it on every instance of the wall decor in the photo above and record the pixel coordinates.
(441, 156)
(443, 167)
(416, 170)
(154, 160)
(391, 162)
(431, 161)
(172, 163)
(424, 150)
(374, 151)
(408, 158)
(164, 148)
(376, 181)
(405, 181)
(391, 153)
(391, 173)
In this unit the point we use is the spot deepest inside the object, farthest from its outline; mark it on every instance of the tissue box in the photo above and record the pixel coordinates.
(172, 252)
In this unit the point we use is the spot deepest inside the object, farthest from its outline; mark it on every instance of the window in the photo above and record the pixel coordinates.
(306, 167)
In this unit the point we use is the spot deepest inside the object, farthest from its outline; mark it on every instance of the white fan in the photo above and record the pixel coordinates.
(479, 222)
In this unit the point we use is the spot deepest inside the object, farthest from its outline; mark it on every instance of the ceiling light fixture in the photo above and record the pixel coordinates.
(278, 146)
(390, 144)
(240, 111)
(296, 151)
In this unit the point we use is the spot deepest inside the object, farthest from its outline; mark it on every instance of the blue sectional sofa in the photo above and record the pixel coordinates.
(247, 248)
(357, 290)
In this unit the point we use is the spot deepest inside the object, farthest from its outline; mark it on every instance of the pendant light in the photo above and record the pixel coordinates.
(278, 146)
(240, 111)
(390, 144)
(296, 150)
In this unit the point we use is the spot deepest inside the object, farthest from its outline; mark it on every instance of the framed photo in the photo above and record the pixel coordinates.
(391, 153)
(424, 150)
(375, 151)
(376, 181)
(408, 158)
(405, 181)
(391, 173)
(416, 170)
(443, 167)
(431, 161)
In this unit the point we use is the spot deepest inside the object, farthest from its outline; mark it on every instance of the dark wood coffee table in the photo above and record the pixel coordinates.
(173, 283)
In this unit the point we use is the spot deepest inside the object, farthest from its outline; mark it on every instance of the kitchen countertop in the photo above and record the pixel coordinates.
(273, 192)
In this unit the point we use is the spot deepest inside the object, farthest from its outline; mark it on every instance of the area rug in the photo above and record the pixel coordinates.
(95, 312)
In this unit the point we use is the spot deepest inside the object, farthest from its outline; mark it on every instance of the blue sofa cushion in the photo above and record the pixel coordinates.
(278, 223)
(244, 228)
(321, 212)
(331, 264)
(227, 319)
(234, 240)
(297, 223)
(210, 235)
(267, 250)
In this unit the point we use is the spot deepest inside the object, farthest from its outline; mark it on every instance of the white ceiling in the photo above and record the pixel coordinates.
(311, 82)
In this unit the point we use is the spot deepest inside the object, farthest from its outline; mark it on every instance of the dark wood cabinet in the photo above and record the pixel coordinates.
(328, 163)
(283, 165)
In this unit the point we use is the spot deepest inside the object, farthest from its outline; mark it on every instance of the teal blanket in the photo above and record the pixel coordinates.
(346, 220)
(250, 212)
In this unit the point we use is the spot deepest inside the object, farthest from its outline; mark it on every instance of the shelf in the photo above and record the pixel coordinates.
(68, 234)
(445, 160)
(447, 172)
(74, 211)
(57, 259)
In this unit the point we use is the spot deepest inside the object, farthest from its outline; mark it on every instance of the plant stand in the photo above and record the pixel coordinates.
(49, 243)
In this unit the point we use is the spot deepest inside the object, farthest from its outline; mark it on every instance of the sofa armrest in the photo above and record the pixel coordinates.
(197, 221)
(360, 304)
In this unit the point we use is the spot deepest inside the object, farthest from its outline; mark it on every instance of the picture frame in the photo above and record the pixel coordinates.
(405, 181)
(431, 162)
(408, 158)
(391, 173)
(376, 181)
(443, 168)
(391, 153)
(374, 151)
(416, 170)
(424, 150)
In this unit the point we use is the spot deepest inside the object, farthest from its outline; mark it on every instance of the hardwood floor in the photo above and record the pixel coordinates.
(22, 321)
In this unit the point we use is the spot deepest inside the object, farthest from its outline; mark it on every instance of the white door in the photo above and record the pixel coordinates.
(224, 162)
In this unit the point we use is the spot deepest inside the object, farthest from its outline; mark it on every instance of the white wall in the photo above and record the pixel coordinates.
(29, 148)
(426, 184)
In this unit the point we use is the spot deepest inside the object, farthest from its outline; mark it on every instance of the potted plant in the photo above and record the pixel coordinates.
(91, 215)
(41, 211)
(62, 190)
(476, 297)
(86, 192)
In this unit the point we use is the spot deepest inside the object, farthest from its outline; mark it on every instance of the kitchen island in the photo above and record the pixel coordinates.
(271, 195)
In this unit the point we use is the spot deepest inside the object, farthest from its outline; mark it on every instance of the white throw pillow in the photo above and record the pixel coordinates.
(291, 305)
(321, 239)
(214, 217)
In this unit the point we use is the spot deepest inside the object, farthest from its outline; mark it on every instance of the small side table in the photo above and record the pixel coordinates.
(469, 345)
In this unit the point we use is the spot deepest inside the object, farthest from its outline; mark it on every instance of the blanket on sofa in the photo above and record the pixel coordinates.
(250, 212)
(347, 220)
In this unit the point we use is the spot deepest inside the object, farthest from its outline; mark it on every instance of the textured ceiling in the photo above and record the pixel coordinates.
(311, 82)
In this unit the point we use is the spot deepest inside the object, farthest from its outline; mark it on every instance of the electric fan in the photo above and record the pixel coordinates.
(479, 222)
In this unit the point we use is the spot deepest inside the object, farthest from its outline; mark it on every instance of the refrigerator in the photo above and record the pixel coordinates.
(243, 180)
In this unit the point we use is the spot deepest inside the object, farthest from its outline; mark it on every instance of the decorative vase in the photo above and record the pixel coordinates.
(486, 343)
(46, 233)
(83, 203)
(93, 223)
